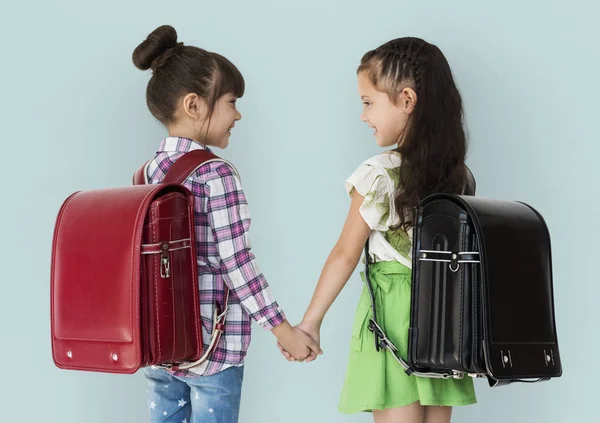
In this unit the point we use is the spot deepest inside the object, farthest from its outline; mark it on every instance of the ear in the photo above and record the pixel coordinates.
(194, 106)
(408, 100)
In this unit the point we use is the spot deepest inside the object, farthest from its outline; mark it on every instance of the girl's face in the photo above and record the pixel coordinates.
(222, 122)
(387, 119)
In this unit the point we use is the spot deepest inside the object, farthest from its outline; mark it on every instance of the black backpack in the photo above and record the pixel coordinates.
(482, 300)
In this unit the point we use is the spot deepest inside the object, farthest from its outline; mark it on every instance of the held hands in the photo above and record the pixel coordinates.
(305, 332)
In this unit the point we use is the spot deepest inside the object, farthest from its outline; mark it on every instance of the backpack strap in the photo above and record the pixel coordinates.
(218, 329)
(470, 184)
(383, 342)
(178, 173)
(180, 170)
(140, 175)
(186, 165)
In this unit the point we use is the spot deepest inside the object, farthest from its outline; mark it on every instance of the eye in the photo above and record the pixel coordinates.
(233, 101)
(366, 103)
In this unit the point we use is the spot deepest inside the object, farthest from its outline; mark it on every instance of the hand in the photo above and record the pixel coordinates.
(298, 345)
(313, 331)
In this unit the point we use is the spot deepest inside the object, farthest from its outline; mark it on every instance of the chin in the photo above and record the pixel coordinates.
(385, 143)
(382, 143)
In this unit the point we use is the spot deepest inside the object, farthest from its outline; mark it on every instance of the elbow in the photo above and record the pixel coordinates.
(348, 256)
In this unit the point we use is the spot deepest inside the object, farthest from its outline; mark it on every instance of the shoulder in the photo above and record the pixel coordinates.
(386, 160)
(215, 171)
(381, 164)
(375, 171)
(369, 180)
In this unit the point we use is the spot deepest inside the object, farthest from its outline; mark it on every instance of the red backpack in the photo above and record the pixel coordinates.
(124, 278)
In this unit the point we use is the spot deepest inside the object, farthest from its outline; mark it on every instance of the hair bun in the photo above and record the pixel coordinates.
(158, 42)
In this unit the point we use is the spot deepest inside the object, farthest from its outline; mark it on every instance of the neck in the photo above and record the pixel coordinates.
(178, 134)
(183, 131)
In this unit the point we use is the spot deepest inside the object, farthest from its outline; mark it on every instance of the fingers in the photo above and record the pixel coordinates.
(305, 354)
(286, 354)
(303, 348)
(315, 348)
(309, 354)
(311, 357)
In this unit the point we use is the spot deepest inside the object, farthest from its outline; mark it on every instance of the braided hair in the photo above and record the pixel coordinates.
(433, 146)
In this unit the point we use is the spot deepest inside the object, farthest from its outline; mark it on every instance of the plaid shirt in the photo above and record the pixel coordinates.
(222, 221)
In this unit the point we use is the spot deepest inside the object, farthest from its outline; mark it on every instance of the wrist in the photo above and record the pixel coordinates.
(313, 322)
(282, 330)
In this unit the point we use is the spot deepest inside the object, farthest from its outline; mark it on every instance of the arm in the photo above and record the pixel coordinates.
(335, 274)
(368, 188)
(339, 266)
(229, 219)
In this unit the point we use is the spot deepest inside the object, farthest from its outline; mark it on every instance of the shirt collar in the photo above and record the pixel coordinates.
(180, 145)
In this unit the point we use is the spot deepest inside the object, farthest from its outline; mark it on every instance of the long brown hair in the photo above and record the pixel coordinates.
(178, 70)
(433, 146)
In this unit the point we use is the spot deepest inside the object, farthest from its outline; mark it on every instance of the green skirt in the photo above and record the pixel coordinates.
(374, 379)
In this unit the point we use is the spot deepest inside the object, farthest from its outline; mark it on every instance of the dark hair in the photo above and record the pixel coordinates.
(433, 145)
(178, 70)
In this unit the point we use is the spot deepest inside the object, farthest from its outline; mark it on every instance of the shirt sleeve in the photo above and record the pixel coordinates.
(229, 218)
(372, 184)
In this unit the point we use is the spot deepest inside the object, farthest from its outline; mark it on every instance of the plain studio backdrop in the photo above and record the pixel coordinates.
(73, 115)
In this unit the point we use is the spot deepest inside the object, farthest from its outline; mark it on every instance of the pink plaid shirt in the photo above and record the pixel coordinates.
(222, 221)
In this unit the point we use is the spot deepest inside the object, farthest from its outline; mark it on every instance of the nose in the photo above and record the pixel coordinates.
(238, 115)
(363, 116)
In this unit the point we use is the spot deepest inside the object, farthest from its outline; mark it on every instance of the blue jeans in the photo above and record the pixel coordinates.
(194, 399)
